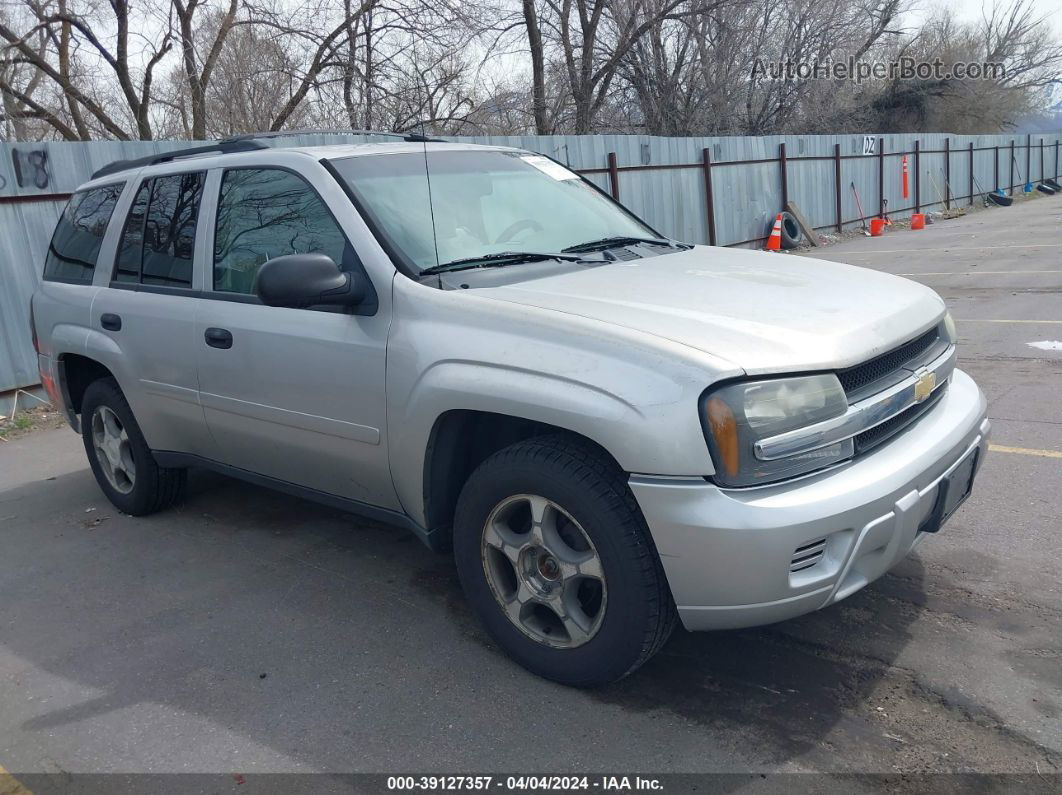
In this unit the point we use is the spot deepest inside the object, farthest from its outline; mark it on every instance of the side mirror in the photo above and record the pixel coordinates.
(302, 280)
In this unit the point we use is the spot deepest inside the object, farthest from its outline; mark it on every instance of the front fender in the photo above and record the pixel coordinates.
(636, 398)
(551, 398)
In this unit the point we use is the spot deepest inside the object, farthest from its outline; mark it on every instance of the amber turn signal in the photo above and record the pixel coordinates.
(724, 430)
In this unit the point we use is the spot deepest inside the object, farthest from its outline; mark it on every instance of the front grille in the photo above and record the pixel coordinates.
(856, 380)
(806, 556)
(881, 433)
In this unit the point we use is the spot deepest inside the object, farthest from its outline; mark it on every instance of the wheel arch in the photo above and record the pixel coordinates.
(76, 371)
(459, 441)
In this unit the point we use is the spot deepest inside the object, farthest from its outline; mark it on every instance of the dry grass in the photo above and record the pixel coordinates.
(28, 420)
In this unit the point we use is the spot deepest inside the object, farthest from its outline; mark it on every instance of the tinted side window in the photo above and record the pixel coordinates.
(158, 240)
(131, 245)
(169, 231)
(266, 213)
(79, 234)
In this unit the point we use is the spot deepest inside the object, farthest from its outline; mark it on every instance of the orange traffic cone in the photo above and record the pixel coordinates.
(774, 242)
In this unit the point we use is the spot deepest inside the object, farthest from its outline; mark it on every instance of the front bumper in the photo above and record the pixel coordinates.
(728, 553)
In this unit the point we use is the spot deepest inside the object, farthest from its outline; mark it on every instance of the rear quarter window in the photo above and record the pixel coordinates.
(76, 242)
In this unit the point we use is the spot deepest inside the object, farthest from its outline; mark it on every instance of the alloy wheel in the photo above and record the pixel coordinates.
(113, 450)
(544, 571)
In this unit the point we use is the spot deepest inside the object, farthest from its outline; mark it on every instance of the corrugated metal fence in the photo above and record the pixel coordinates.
(724, 191)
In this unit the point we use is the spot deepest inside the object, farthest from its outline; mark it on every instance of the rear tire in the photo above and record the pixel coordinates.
(615, 600)
(120, 458)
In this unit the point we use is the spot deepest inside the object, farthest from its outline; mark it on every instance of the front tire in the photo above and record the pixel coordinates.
(120, 458)
(558, 563)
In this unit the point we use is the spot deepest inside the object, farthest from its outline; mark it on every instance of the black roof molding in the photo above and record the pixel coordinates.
(221, 147)
(405, 136)
(248, 142)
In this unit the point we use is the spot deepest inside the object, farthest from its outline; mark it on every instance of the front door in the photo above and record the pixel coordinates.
(292, 394)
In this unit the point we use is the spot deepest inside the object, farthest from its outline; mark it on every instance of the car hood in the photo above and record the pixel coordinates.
(762, 312)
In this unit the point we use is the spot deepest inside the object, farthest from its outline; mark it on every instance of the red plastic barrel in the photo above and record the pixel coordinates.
(877, 227)
(918, 221)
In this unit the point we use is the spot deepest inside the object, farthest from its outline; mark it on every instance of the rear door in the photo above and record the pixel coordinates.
(60, 307)
(144, 319)
(293, 394)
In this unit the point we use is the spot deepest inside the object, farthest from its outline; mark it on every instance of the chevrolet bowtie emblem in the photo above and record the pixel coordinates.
(924, 385)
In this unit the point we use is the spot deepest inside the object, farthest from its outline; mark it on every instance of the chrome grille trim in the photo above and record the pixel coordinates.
(861, 416)
(884, 431)
(887, 369)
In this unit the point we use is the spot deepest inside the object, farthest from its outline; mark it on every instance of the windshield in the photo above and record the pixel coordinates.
(442, 206)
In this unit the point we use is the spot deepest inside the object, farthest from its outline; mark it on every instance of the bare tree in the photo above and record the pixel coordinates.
(592, 38)
(141, 69)
(114, 60)
(198, 68)
(251, 81)
(1012, 36)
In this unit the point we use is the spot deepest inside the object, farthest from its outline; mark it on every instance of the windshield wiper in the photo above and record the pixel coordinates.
(612, 242)
(497, 261)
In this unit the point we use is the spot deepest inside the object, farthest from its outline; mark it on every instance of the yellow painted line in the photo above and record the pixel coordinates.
(9, 785)
(1002, 448)
(972, 273)
(978, 320)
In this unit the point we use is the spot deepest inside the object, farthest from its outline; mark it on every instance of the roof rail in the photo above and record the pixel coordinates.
(411, 137)
(247, 142)
(221, 147)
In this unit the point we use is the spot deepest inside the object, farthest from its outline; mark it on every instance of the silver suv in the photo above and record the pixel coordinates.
(611, 430)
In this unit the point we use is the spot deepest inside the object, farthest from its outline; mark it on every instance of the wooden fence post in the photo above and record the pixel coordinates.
(613, 175)
(837, 182)
(709, 195)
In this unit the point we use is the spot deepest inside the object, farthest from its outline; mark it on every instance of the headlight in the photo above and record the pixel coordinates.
(738, 415)
(949, 328)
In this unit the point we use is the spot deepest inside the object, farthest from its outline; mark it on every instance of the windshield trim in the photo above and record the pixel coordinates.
(402, 262)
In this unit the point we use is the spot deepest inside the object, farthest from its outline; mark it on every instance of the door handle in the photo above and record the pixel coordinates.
(111, 322)
(218, 337)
